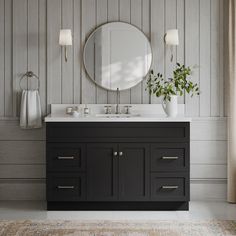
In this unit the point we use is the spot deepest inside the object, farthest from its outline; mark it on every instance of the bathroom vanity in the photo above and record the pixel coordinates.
(102, 163)
(116, 158)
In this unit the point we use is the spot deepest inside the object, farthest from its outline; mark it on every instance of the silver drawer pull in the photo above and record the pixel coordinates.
(66, 158)
(170, 187)
(65, 187)
(170, 158)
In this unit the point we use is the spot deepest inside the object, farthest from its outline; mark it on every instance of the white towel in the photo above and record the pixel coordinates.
(30, 113)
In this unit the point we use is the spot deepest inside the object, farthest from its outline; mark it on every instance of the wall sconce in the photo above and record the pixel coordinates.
(65, 39)
(172, 39)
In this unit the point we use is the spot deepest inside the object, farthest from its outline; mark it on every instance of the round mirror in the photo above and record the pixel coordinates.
(117, 55)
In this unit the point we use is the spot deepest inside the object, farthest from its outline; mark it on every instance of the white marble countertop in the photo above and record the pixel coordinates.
(94, 118)
(141, 113)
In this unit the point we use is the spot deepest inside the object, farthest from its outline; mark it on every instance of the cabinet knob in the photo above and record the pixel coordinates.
(115, 154)
(120, 154)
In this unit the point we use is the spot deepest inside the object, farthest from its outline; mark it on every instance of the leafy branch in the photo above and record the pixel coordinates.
(180, 83)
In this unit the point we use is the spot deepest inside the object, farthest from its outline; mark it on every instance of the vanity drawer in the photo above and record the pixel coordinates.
(65, 157)
(66, 187)
(169, 187)
(169, 157)
(118, 131)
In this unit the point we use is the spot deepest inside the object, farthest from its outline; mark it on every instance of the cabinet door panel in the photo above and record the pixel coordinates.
(102, 172)
(133, 172)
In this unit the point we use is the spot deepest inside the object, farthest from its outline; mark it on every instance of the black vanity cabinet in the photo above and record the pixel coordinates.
(117, 165)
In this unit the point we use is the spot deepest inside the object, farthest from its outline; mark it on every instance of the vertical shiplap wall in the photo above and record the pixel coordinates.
(30, 42)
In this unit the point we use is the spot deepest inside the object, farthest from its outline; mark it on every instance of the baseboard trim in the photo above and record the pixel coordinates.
(118, 206)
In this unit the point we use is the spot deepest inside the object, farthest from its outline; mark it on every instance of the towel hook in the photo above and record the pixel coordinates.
(29, 74)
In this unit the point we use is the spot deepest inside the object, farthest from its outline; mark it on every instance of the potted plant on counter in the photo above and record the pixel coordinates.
(171, 88)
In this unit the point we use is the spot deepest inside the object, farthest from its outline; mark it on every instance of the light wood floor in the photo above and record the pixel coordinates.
(198, 210)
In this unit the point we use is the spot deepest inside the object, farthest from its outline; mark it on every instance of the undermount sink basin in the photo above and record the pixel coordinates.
(117, 115)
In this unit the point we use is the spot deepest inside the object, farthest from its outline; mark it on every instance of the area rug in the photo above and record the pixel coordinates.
(117, 228)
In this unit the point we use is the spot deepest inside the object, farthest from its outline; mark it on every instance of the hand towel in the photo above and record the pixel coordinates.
(30, 114)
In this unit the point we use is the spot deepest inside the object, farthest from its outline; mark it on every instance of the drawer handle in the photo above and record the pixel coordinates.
(65, 187)
(120, 154)
(66, 158)
(115, 154)
(169, 187)
(170, 158)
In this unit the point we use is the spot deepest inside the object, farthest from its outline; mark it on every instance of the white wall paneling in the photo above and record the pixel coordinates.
(192, 55)
(10, 131)
(208, 152)
(213, 190)
(22, 171)
(67, 22)
(33, 39)
(2, 57)
(22, 152)
(170, 23)
(215, 58)
(20, 49)
(146, 27)
(136, 20)
(42, 41)
(101, 18)
(208, 171)
(22, 189)
(88, 25)
(54, 52)
(8, 92)
(157, 38)
(31, 30)
(209, 129)
(112, 15)
(125, 10)
(30, 42)
(205, 57)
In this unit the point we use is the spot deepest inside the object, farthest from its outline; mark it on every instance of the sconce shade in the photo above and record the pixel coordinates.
(172, 37)
(65, 37)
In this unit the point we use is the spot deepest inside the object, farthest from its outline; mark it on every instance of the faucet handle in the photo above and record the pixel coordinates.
(107, 109)
(127, 109)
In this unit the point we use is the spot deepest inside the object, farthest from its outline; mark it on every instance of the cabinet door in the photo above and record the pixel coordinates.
(133, 172)
(102, 172)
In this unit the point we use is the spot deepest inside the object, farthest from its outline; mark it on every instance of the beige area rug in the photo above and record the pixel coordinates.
(117, 228)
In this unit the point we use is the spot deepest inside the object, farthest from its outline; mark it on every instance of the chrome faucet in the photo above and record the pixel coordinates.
(117, 101)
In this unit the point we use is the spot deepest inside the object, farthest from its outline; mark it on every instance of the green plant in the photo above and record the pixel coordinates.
(180, 83)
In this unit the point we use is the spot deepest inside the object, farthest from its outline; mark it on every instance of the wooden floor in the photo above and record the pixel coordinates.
(198, 211)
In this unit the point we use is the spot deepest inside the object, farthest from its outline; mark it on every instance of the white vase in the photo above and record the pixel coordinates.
(171, 107)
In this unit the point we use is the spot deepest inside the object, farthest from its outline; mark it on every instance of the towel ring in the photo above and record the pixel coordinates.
(31, 75)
